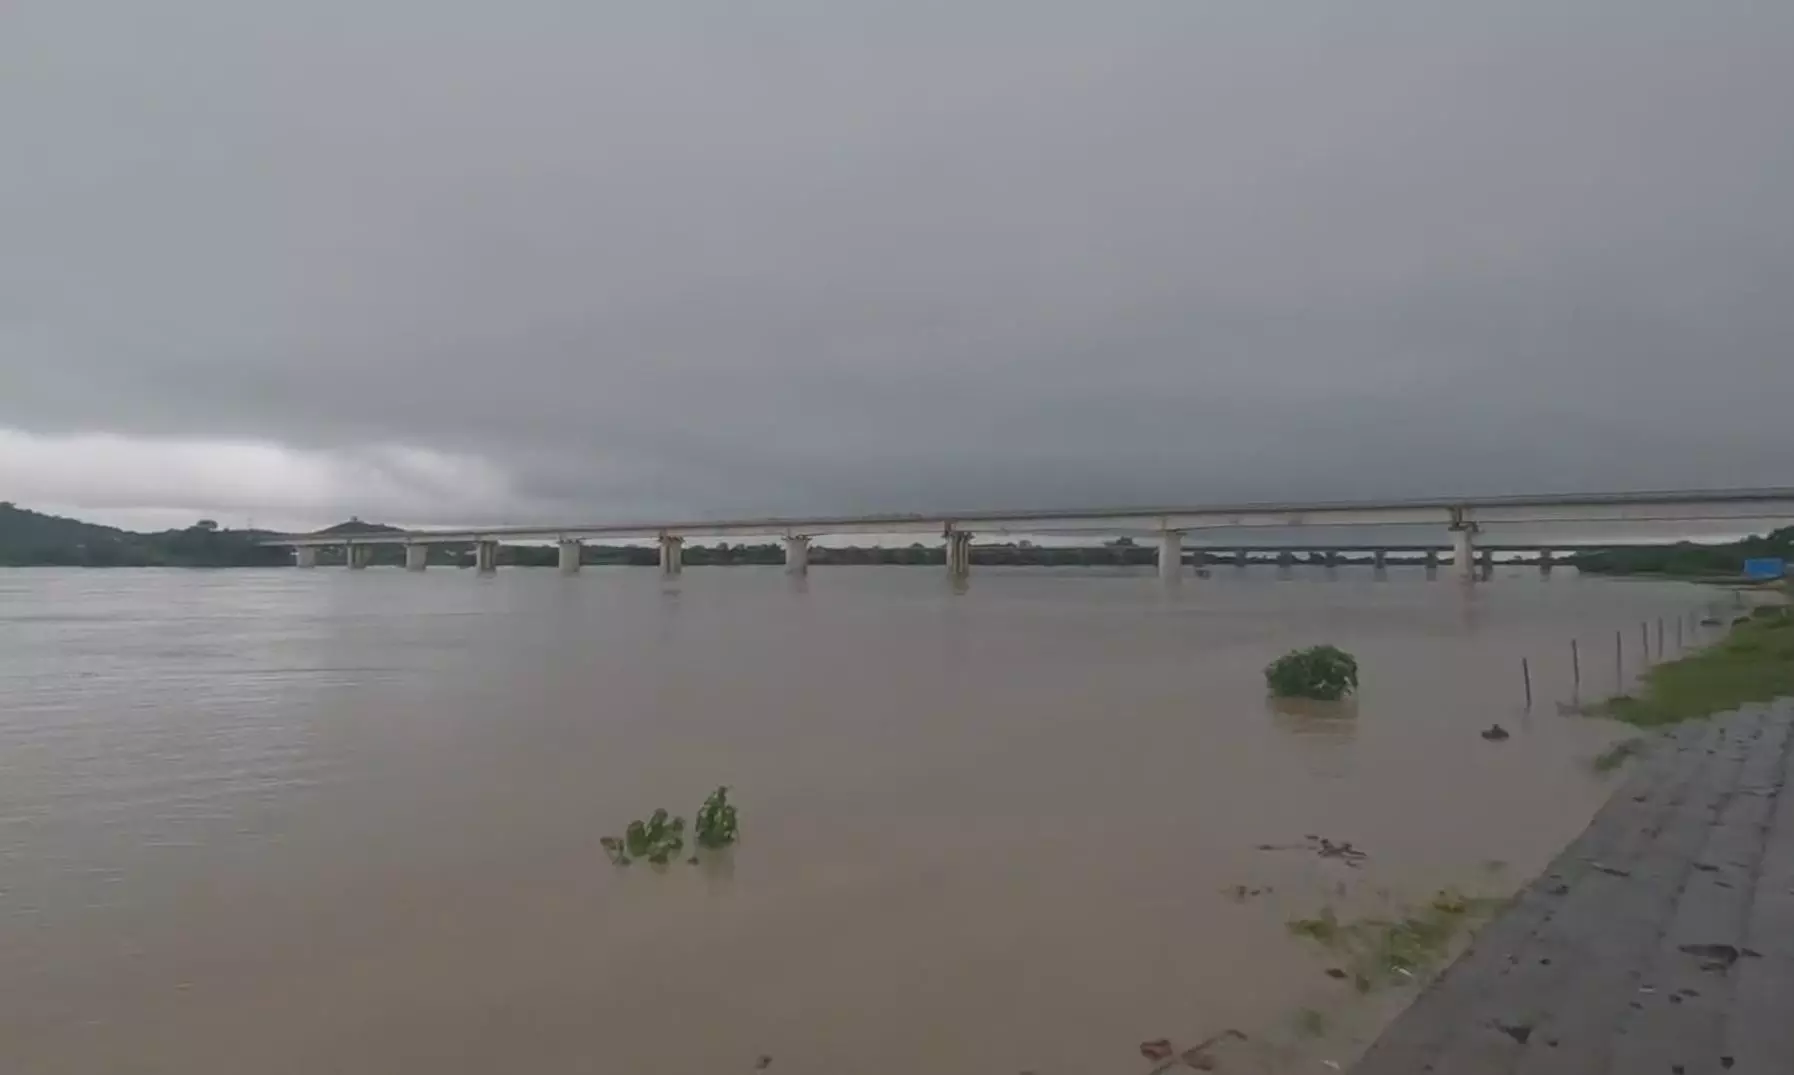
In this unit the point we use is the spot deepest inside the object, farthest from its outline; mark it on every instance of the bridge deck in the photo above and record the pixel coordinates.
(1740, 506)
(1661, 940)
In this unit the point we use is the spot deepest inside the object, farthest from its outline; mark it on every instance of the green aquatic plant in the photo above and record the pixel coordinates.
(662, 836)
(717, 825)
(1327, 673)
(658, 839)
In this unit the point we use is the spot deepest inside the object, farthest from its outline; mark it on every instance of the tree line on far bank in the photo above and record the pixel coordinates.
(1685, 558)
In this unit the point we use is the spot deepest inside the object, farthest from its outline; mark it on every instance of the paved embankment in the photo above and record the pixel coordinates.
(1661, 940)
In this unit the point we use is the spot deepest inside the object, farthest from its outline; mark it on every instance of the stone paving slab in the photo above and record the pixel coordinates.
(1660, 940)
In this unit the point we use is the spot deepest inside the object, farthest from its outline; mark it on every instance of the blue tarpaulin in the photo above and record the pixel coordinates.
(1767, 567)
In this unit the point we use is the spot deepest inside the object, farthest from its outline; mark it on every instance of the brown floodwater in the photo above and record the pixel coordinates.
(301, 822)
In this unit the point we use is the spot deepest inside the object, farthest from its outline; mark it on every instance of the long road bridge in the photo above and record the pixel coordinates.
(1460, 522)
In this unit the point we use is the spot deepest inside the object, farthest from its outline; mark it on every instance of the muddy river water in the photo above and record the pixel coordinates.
(322, 821)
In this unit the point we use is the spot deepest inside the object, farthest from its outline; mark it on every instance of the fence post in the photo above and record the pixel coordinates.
(1575, 671)
(1660, 638)
(1619, 674)
(1526, 675)
(1644, 641)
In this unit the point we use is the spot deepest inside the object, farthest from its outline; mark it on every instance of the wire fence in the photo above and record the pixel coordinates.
(1665, 638)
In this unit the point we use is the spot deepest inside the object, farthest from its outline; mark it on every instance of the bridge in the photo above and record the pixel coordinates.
(1460, 520)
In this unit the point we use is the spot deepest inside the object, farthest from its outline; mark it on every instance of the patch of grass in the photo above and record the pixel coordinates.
(1754, 663)
(1617, 755)
(1383, 951)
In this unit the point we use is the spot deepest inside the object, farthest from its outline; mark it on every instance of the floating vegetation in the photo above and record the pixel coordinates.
(662, 837)
(1323, 848)
(717, 825)
(657, 839)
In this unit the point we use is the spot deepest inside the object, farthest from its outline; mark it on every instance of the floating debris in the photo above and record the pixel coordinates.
(1344, 851)
(1201, 1057)
(1520, 1032)
(1719, 957)
(1495, 733)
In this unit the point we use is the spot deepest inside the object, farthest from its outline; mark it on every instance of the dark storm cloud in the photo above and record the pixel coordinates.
(708, 258)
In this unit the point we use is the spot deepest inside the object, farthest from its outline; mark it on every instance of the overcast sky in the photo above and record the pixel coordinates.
(440, 261)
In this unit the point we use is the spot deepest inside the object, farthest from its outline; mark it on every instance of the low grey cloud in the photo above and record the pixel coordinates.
(704, 258)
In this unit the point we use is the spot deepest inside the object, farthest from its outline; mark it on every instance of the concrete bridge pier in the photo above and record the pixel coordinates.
(306, 556)
(416, 556)
(1546, 561)
(1463, 552)
(797, 554)
(959, 553)
(569, 556)
(672, 554)
(356, 557)
(1171, 555)
(1487, 557)
(485, 556)
(1379, 561)
(1240, 558)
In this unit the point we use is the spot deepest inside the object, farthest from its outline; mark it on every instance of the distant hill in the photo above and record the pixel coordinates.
(29, 537)
(33, 539)
(356, 526)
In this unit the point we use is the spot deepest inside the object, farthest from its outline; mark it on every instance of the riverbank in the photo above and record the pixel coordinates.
(1753, 663)
(1392, 942)
(1660, 940)
(1686, 873)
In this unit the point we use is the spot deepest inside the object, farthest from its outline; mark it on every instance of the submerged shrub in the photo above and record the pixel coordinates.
(1324, 672)
(716, 825)
(658, 839)
(662, 836)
